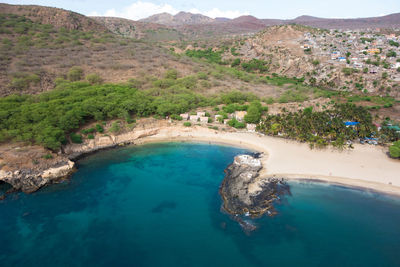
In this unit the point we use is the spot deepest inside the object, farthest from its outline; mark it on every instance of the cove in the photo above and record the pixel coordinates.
(158, 205)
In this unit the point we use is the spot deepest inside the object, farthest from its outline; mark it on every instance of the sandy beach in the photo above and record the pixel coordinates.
(365, 166)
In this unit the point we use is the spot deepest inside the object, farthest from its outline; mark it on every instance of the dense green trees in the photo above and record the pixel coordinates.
(394, 150)
(50, 117)
(253, 113)
(321, 128)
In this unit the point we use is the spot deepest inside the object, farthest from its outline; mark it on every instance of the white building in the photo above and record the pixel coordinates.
(204, 119)
(185, 116)
(194, 118)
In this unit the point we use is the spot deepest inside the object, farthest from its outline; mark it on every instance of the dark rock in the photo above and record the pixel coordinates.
(244, 193)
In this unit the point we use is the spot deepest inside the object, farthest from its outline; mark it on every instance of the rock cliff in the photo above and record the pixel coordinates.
(30, 180)
(244, 192)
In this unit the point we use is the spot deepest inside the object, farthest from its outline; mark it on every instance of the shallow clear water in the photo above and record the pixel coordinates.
(158, 205)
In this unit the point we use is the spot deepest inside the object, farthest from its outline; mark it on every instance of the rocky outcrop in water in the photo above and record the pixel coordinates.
(244, 192)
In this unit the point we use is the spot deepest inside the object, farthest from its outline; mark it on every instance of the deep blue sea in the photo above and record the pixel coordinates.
(158, 205)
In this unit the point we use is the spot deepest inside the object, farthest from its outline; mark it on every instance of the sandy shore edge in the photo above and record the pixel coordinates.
(310, 161)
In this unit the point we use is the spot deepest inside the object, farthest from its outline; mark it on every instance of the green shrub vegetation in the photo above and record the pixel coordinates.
(171, 74)
(99, 128)
(22, 81)
(235, 62)
(391, 53)
(255, 65)
(254, 113)
(236, 124)
(349, 71)
(76, 138)
(94, 78)
(115, 127)
(187, 124)
(208, 54)
(49, 117)
(393, 43)
(34, 34)
(176, 117)
(48, 156)
(75, 74)
(394, 150)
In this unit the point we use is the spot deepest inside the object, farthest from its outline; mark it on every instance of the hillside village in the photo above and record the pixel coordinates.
(373, 54)
(354, 60)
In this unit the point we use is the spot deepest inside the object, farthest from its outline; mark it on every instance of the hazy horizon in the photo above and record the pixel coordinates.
(285, 9)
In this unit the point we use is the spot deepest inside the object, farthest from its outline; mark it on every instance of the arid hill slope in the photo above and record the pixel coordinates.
(57, 17)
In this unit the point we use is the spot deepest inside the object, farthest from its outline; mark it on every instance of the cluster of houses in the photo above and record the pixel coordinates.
(358, 49)
(201, 117)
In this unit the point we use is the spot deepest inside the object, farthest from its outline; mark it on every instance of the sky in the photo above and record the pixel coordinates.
(281, 9)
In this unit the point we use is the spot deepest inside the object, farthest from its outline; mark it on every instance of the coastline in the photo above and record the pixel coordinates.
(364, 167)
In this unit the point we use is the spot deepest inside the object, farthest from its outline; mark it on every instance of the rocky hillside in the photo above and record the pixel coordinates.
(139, 30)
(280, 47)
(40, 45)
(36, 57)
(182, 18)
(58, 18)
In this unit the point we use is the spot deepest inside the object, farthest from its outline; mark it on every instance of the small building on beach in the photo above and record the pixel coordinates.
(184, 116)
(239, 115)
(194, 118)
(203, 119)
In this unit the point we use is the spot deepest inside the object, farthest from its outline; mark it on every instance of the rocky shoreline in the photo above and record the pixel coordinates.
(28, 178)
(245, 193)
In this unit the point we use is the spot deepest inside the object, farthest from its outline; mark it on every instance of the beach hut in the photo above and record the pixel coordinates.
(194, 118)
(184, 116)
(204, 119)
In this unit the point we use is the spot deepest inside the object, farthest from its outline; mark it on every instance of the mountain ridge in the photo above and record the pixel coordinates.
(187, 18)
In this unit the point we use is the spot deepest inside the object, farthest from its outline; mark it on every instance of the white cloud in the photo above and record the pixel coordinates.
(140, 10)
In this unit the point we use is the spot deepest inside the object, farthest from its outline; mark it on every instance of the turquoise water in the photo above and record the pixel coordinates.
(158, 205)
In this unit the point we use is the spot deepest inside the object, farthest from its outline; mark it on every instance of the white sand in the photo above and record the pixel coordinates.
(364, 166)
